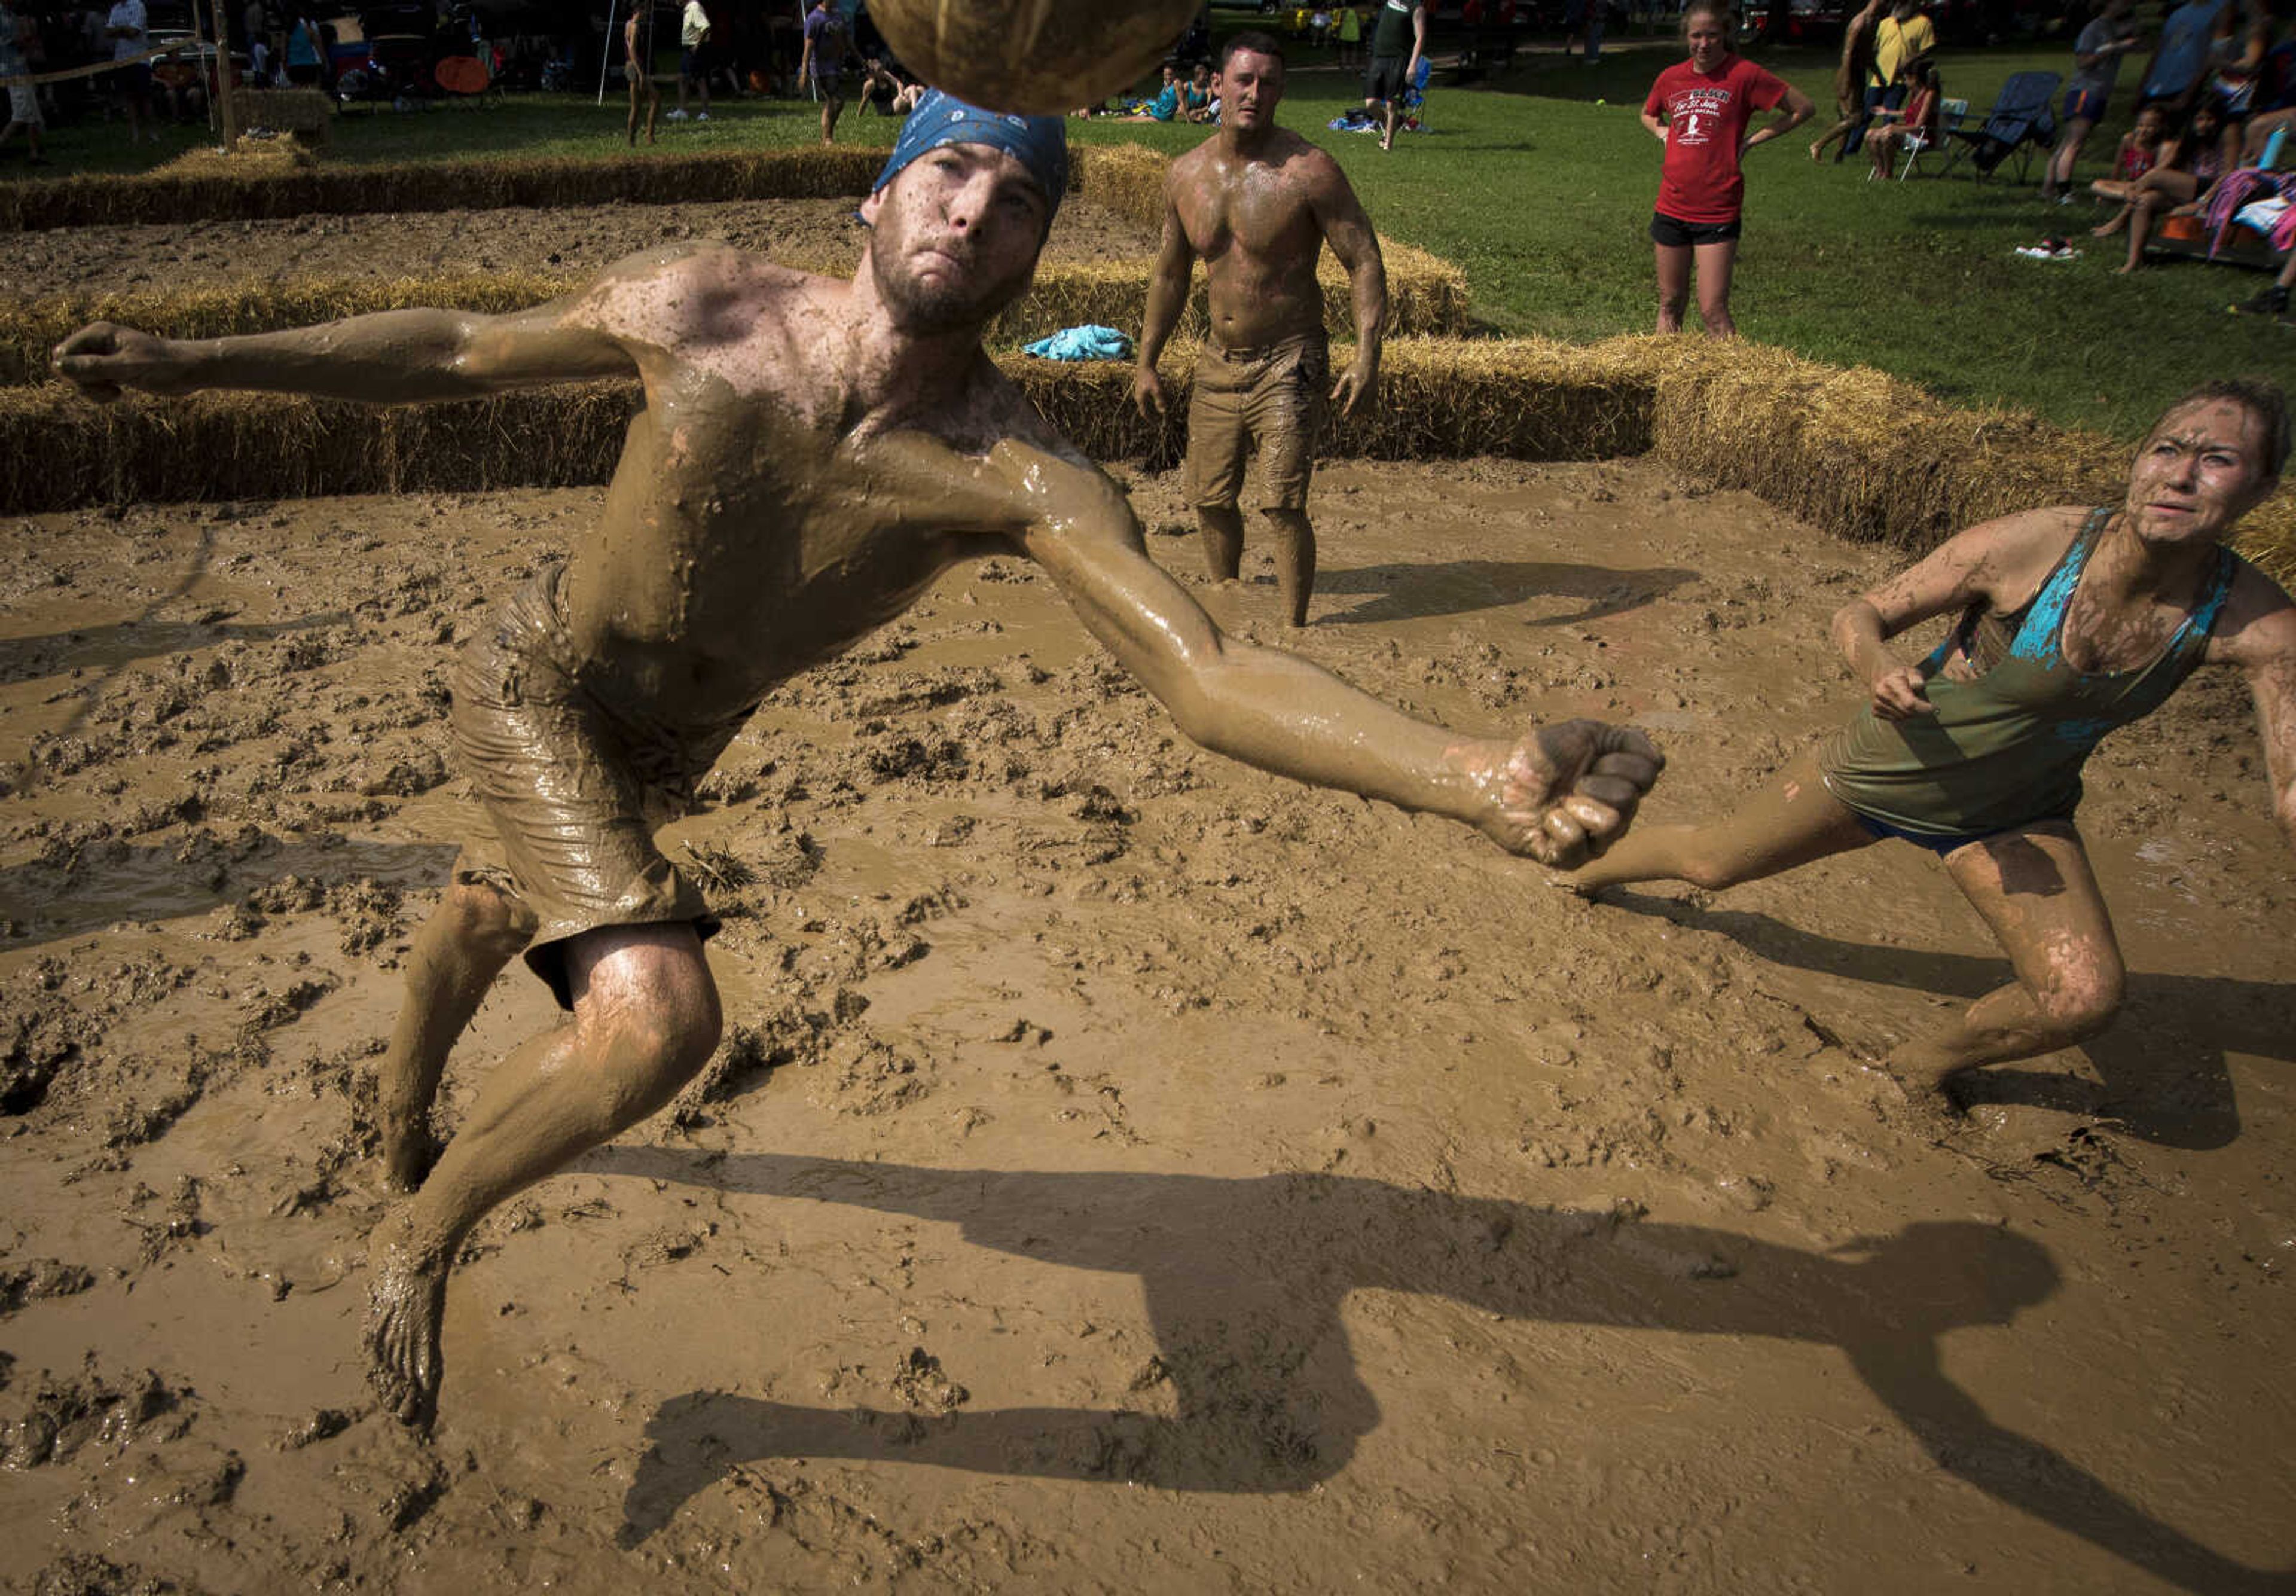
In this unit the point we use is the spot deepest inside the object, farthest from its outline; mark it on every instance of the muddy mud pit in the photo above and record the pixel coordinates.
(1125, 1171)
(816, 235)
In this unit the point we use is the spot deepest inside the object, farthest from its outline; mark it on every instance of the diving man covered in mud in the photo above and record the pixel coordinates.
(1258, 203)
(812, 455)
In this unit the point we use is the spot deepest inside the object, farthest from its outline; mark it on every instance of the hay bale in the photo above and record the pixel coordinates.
(1126, 179)
(541, 183)
(30, 330)
(245, 155)
(304, 113)
(1426, 298)
(58, 451)
(1856, 453)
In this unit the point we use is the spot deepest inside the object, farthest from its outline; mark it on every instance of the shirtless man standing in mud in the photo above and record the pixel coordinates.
(1258, 203)
(812, 455)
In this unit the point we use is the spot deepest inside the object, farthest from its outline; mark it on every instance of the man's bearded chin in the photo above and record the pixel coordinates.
(933, 307)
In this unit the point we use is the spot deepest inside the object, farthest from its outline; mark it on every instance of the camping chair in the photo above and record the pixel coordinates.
(1950, 113)
(2020, 122)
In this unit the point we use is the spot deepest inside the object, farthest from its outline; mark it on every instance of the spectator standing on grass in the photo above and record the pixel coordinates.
(1350, 36)
(1702, 108)
(1901, 38)
(826, 34)
(1397, 40)
(20, 41)
(126, 25)
(637, 69)
(304, 54)
(2238, 43)
(1849, 84)
(2096, 64)
(693, 59)
(1582, 25)
(2179, 62)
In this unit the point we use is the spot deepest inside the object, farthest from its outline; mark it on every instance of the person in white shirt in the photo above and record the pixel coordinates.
(17, 41)
(693, 58)
(126, 26)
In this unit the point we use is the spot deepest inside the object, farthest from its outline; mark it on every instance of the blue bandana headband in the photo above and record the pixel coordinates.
(1040, 144)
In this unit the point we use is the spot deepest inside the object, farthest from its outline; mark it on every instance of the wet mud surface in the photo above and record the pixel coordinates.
(1125, 1171)
(816, 235)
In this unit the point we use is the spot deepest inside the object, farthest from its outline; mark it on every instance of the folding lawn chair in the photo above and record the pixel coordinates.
(1950, 115)
(2020, 123)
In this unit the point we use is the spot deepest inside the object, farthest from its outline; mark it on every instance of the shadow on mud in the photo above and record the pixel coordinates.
(1244, 1280)
(2162, 1074)
(110, 880)
(1455, 586)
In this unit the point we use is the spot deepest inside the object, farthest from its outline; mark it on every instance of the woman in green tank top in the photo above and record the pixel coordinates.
(2074, 622)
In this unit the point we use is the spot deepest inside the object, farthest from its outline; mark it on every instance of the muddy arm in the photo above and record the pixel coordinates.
(1356, 246)
(1557, 794)
(393, 356)
(2264, 645)
(1975, 564)
(1168, 292)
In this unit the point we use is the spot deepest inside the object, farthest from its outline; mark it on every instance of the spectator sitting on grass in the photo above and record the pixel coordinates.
(1164, 107)
(1196, 102)
(1914, 126)
(2188, 166)
(2141, 148)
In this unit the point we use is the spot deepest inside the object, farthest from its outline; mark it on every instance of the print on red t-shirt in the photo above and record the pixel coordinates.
(1706, 120)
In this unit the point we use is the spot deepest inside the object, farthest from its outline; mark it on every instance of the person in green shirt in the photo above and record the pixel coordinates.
(1397, 40)
(2074, 622)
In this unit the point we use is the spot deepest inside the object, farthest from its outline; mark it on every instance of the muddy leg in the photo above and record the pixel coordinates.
(645, 1020)
(1222, 530)
(1790, 820)
(473, 933)
(1295, 561)
(2035, 890)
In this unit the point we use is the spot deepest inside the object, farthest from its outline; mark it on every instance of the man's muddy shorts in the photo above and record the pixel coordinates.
(573, 792)
(1272, 397)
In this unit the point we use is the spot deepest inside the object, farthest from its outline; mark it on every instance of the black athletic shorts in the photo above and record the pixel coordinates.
(1384, 81)
(1676, 234)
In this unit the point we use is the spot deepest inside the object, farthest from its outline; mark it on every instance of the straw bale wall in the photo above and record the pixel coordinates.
(1127, 178)
(1427, 296)
(1854, 452)
(227, 193)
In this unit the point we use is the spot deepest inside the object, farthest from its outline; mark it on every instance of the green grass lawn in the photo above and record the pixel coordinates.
(1542, 194)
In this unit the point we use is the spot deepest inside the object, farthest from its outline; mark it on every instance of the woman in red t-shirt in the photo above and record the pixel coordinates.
(1700, 110)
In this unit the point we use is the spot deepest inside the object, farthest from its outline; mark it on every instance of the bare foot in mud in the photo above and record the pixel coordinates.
(407, 1299)
(1928, 1096)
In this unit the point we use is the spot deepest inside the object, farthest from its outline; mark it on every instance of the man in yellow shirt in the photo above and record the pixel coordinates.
(1905, 36)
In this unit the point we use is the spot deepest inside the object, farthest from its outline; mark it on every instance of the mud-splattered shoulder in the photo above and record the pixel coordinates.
(667, 295)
